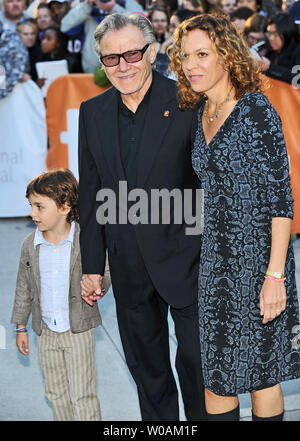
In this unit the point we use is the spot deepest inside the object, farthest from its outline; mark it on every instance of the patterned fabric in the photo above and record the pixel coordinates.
(245, 177)
(13, 58)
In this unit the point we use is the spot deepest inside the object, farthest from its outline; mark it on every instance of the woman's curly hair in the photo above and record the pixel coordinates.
(231, 49)
(59, 185)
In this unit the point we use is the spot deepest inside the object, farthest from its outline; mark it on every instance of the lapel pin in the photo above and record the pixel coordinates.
(166, 113)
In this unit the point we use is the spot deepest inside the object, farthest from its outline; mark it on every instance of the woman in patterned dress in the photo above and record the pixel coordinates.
(248, 306)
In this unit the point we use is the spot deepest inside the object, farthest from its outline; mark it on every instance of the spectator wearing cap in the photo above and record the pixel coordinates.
(284, 48)
(12, 12)
(295, 13)
(59, 9)
(88, 15)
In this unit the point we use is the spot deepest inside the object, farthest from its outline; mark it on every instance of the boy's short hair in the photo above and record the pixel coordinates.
(59, 185)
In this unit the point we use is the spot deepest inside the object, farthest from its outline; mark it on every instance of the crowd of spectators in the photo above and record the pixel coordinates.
(49, 30)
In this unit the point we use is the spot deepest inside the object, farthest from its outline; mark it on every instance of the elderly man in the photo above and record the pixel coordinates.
(134, 133)
(12, 12)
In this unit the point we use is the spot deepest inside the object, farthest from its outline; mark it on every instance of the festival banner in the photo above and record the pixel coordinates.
(63, 100)
(23, 146)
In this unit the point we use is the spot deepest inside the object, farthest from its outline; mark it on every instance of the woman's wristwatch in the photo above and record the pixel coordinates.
(276, 275)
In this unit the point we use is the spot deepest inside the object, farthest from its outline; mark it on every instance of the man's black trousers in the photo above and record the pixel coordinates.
(145, 338)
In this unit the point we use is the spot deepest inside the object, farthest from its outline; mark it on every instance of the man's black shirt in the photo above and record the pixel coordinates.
(131, 127)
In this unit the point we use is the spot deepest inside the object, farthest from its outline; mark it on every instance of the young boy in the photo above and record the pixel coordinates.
(48, 285)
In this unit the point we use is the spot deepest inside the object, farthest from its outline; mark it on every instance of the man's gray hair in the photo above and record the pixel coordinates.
(115, 22)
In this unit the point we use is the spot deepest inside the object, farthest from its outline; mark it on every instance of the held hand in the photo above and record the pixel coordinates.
(22, 343)
(272, 300)
(92, 288)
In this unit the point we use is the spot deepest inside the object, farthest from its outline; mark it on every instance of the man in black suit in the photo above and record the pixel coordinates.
(134, 133)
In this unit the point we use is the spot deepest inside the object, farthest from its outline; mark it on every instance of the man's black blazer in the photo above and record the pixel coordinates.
(164, 162)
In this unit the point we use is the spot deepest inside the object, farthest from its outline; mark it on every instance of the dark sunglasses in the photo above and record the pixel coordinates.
(129, 56)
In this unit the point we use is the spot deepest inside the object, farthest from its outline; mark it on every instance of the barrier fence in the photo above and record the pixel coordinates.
(62, 124)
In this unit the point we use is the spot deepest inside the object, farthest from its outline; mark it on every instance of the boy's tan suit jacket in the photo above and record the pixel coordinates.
(28, 289)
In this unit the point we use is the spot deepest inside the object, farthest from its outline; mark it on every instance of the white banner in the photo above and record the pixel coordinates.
(23, 146)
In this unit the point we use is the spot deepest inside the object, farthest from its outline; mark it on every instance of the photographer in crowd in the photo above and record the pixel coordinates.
(88, 15)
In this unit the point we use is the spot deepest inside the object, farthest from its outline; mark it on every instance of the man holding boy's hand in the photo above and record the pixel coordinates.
(92, 288)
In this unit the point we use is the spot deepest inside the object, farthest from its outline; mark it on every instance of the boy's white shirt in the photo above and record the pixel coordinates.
(54, 265)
